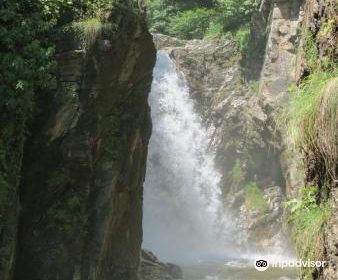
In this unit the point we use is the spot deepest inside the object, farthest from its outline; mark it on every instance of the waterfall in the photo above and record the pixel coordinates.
(184, 219)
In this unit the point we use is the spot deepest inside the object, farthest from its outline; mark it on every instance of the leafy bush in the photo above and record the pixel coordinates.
(199, 19)
(191, 24)
(254, 197)
(159, 15)
(242, 36)
(215, 30)
(233, 13)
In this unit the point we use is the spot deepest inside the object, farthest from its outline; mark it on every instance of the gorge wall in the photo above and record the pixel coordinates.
(320, 23)
(84, 163)
(303, 38)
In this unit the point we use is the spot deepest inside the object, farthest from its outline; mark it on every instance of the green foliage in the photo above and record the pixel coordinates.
(215, 30)
(314, 63)
(326, 28)
(309, 226)
(241, 36)
(191, 24)
(95, 8)
(311, 117)
(159, 14)
(28, 29)
(200, 19)
(292, 88)
(237, 172)
(209, 20)
(88, 30)
(254, 197)
(298, 206)
(234, 13)
(252, 55)
(67, 215)
(237, 176)
(309, 235)
(311, 52)
(255, 88)
(27, 64)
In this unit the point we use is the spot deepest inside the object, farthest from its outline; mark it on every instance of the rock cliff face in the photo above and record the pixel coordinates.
(279, 70)
(84, 165)
(319, 20)
(320, 23)
(278, 73)
(315, 171)
(294, 23)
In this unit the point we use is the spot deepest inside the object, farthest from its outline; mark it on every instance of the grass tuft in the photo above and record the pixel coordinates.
(254, 197)
(88, 31)
(312, 116)
(309, 233)
(309, 227)
(237, 176)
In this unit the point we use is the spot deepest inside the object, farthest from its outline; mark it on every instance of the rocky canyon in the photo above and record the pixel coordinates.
(160, 139)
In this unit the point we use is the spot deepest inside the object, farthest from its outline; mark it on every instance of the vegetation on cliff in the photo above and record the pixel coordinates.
(27, 64)
(254, 197)
(309, 220)
(238, 21)
(312, 126)
(311, 119)
(29, 30)
(200, 19)
(55, 139)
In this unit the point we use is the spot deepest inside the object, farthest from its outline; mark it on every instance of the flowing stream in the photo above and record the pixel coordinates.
(184, 220)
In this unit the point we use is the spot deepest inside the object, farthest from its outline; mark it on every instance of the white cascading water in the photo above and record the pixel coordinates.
(184, 219)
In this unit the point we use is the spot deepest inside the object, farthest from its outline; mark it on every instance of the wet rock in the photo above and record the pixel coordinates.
(279, 68)
(163, 42)
(152, 269)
